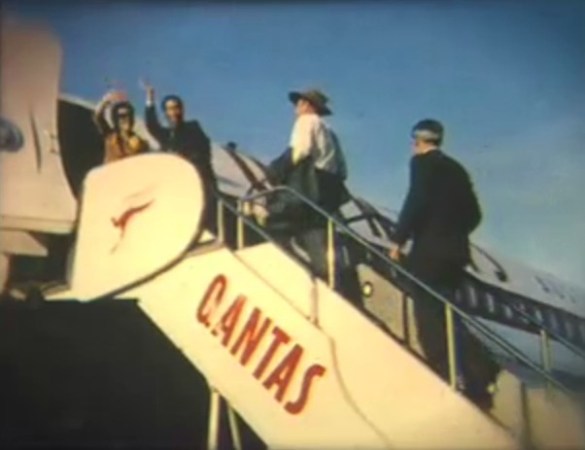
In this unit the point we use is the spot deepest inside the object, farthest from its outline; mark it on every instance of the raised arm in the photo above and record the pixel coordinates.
(152, 124)
(99, 116)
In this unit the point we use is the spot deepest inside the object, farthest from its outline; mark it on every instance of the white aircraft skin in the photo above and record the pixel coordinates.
(492, 285)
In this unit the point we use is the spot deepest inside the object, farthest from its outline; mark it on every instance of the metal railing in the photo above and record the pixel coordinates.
(214, 422)
(546, 333)
(451, 309)
(242, 219)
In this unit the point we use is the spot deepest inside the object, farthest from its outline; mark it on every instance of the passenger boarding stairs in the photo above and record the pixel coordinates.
(300, 364)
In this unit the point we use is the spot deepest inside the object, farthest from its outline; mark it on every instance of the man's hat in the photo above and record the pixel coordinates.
(428, 130)
(315, 98)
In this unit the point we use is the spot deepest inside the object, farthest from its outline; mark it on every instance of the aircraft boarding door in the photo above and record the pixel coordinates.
(35, 195)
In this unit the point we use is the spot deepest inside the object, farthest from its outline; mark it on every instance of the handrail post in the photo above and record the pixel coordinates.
(451, 350)
(234, 429)
(214, 413)
(331, 253)
(220, 221)
(550, 333)
(545, 350)
(545, 355)
(240, 225)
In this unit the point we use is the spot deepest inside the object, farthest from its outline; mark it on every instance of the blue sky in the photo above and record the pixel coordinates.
(507, 78)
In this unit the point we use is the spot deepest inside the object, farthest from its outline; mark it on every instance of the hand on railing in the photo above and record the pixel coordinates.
(259, 212)
(394, 253)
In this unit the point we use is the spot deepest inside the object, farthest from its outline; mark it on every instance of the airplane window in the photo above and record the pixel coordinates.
(569, 327)
(538, 314)
(582, 330)
(523, 308)
(472, 296)
(553, 321)
(490, 303)
(508, 312)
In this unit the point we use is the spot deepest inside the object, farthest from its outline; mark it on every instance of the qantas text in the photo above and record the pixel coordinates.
(241, 333)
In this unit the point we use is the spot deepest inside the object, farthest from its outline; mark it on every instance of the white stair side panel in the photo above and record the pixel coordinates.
(373, 394)
(173, 299)
(392, 387)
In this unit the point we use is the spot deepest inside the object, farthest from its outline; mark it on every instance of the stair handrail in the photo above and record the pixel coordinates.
(549, 331)
(450, 305)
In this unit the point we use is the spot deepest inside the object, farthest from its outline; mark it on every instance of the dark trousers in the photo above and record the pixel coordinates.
(314, 242)
(211, 198)
(309, 231)
(432, 332)
(209, 219)
(346, 281)
(475, 365)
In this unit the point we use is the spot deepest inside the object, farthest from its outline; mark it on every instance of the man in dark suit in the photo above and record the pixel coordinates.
(187, 139)
(440, 212)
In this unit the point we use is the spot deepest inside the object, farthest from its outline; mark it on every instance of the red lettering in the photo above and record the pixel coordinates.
(283, 373)
(229, 320)
(297, 406)
(251, 336)
(280, 337)
(211, 300)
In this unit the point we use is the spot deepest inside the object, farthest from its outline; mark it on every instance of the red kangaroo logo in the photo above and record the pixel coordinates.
(122, 221)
